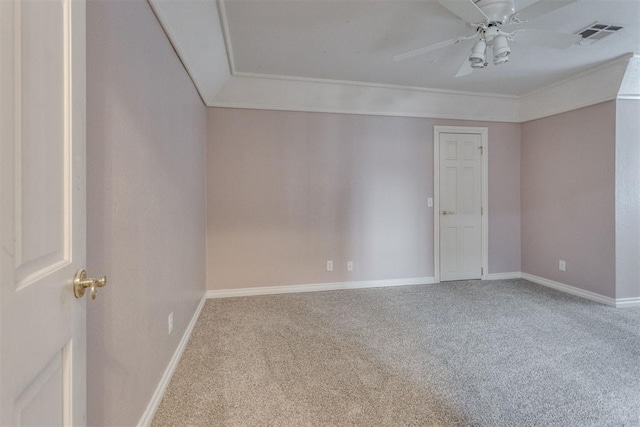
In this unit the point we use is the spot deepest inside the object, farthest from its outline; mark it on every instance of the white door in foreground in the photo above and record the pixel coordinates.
(42, 212)
(460, 206)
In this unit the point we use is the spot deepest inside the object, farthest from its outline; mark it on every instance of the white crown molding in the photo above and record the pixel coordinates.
(373, 85)
(288, 289)
(590, 87)
(362, 98)
(156, 398)
(274, 92)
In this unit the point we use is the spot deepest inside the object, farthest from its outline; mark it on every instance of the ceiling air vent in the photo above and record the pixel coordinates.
(596, 31)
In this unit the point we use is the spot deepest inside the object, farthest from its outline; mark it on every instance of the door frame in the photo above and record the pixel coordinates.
(484, 134)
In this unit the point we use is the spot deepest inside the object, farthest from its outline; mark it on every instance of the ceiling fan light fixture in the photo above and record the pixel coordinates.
(478, 55)
(488, 17)
(501, 60)
(501, 50)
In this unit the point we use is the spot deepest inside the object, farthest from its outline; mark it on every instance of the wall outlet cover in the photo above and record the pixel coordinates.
(562, 265)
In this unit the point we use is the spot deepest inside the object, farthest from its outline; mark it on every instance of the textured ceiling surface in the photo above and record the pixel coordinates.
(355, 40)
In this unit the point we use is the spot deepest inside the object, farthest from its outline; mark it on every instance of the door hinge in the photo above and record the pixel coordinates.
(481, 210)
(481, 150)
(482, 271)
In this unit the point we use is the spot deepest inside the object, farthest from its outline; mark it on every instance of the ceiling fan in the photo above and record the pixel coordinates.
(487, 17)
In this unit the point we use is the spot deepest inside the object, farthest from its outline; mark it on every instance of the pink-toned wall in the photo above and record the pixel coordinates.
(288, 191)
(146, 206)
(568, 191)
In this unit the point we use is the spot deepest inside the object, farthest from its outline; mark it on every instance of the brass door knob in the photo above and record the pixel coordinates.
(81, 282)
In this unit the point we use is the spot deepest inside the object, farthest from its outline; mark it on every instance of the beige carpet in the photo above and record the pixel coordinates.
(466, 353)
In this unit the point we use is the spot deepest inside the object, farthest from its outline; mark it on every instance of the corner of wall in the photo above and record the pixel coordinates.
(627, 182)
(593, 86)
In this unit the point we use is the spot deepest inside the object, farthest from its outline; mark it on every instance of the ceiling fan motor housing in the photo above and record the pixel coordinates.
(498, 11)
(490, 34)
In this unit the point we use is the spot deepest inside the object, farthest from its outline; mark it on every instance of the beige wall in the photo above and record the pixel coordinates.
(568, 190)
(288, 191)
(146, 206)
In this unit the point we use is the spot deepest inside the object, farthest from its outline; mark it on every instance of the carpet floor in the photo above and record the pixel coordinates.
(473, 353)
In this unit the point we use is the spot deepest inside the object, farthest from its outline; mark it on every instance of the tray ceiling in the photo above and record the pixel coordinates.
(354, 40)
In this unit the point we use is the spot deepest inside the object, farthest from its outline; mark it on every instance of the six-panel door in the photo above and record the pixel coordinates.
(42, 195)
(460, 206)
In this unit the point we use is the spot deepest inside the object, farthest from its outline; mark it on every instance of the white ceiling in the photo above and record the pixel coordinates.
(354, 40)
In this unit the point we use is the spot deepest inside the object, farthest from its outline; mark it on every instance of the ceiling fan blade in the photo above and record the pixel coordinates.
(539, 8)
(432, 47)
(465, 68)
(465, 9)
(541, 38)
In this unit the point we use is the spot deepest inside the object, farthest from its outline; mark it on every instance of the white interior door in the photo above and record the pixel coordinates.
(42, 213)
(460, 204)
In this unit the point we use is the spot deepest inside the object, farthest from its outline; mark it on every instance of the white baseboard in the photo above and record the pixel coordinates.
(502, 276)
(147, 417)
(570, 289)
(287, 289)
(627, 302)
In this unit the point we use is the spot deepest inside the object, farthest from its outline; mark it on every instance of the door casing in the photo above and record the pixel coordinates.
(484, 134)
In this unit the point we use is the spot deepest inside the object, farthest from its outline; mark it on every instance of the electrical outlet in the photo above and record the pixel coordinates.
(562, 265)
(170, 323)
(430, 202)
(329, 265)
(350, 266)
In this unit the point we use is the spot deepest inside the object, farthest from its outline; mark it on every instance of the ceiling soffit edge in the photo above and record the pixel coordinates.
(630, 87)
